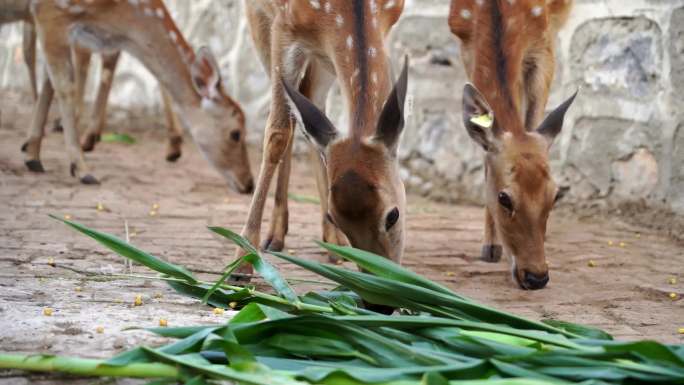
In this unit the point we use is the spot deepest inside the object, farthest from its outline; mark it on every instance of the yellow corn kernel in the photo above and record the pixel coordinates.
(681, 330)
(99, 207)
(638, 235)
(138, 300)
(450, 273)
(48, 311)
(218, 311)
(622, 244)
(67, 217)
(153, 213)
(99, 329)
(78, 289)
(673, 296)
(157, 295)
(591, 263)
(51, 262)
(610, 243)
(163, 322)
(291, 251)
(155, 206)
(232, 305)
(672, 281)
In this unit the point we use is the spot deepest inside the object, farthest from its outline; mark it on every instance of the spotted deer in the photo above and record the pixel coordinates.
(69, 29)
(508, 53)
(12, 11)
(305, 46)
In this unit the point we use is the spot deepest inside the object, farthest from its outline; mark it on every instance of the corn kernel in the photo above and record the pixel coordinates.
(138, 300)
(99, 207)
(153, 213)
(610, 243)
(226, 200)
(681, 330)
(673, 296)
(339, 262)
(78, 289)
(218, 311)
(638, 235)
(157, 295)
(133, 234)
(622, 244)
(155, 206)
(48, 311)
(51, 262)
(67, 217)
(591, 263)
(672, 281)
(291, 251)
(232, 305)
(163, 322)
(99, 329)
(450, 273)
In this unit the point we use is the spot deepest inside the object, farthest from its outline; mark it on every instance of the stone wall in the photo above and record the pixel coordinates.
(623, 139)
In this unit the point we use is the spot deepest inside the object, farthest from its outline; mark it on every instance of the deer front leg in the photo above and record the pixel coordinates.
(99, 114)
(29, 48)
(175, 130)
(278, 130)
(280, 217)
(491, 250)
(37, 129)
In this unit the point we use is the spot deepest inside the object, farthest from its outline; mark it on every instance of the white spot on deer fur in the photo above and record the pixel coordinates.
(373, 6)
(511, 2)
(160, 13)
(339, 20)
(374, 77)
(350, 42)
(372, 52)
(76, 9)
(64, 4)
(536, 11)
(375, 22)
(390, 4)
(315, 4)
(479, 2)
(465, 13)
(328, 7)
(133, 2)
(148, 11)
(173, 36)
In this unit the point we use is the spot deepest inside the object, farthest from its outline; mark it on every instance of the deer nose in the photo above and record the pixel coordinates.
(535, 282)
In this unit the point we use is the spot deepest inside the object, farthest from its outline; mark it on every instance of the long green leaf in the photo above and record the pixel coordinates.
(124, 249)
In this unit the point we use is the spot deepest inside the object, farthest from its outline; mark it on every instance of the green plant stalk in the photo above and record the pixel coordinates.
(258, 294)
(86, 367)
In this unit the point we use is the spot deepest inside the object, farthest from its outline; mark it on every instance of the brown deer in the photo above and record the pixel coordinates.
(320, 41)
(12, 11)
(508, 52)
(69, 29)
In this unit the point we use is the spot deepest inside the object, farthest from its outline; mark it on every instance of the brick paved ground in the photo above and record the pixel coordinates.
(626, 293)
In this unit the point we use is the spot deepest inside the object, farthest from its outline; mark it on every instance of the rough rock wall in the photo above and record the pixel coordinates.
(623, 138)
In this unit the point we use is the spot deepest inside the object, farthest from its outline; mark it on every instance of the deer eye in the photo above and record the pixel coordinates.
(235, 135)
(505, 201)
(392, 218)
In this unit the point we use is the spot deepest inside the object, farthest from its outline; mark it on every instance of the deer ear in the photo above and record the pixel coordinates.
(478, 118)
(206, 77)
(316, 124)
(552, 125)
(391, 122)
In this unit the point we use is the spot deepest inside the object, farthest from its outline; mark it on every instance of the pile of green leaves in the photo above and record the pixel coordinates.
(438, 337)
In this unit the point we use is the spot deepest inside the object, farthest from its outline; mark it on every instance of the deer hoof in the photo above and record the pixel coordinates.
(491, 253)
(272, 244)
(89, 180)
(172, 157)
(89, 142)
(34, 165)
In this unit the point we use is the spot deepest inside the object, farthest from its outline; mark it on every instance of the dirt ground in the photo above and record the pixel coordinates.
(625, 293)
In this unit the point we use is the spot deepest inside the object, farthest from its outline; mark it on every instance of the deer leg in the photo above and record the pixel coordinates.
(29, 47)
(99, 114)
(63, 75)
(491, 250)
(37, 129)
(279, 219)
(278, 130)
(174, 127)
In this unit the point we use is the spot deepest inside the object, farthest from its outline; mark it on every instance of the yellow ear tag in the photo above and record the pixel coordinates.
(484, 121)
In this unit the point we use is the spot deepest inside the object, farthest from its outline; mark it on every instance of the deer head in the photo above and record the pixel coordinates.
(520, 192)
(217, 124)
(367, 198)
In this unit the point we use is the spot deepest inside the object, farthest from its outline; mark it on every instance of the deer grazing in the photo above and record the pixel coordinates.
(69, 29)
(508, 53)
(320, 41)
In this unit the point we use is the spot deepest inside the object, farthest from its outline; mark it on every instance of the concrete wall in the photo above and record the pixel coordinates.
(623, 138)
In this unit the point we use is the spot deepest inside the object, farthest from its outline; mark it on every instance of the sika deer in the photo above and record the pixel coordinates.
(358, 176)
(508, 52)
(144, 29)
